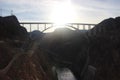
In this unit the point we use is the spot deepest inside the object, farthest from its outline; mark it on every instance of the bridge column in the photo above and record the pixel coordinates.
(37, 26)
(30, 27)
(89, 26)
(78, 26)
(83, 27)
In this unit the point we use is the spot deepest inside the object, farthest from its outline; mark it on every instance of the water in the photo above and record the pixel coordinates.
(65, 74)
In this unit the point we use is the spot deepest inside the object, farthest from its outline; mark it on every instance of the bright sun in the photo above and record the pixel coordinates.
(63, 13)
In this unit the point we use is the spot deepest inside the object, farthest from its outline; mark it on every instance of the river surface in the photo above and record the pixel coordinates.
(65, 74)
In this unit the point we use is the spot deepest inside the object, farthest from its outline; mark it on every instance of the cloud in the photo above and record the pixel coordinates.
(98, 4)
(28, 9)
(91, 11)
(96, 10)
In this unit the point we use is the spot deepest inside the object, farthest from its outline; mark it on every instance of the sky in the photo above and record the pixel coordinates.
(76, 11)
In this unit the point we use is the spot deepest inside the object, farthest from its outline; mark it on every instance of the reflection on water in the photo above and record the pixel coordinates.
(65, 74)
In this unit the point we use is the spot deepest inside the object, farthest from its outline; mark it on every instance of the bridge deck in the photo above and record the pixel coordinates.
(30, 26)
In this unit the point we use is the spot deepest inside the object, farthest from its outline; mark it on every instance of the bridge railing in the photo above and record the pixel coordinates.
(30, 26)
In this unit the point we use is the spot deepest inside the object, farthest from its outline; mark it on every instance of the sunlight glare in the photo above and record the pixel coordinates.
(63, 13)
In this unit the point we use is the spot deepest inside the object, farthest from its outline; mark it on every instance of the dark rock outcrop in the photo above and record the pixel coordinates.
(11, 29)
(12, 36)
(104, 49)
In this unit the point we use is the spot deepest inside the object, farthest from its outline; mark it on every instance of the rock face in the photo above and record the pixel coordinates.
(102, 43)
(20, 58)
(12, 36)
(105, 49)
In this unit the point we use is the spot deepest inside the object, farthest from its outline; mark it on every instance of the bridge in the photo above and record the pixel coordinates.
(42, 26)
